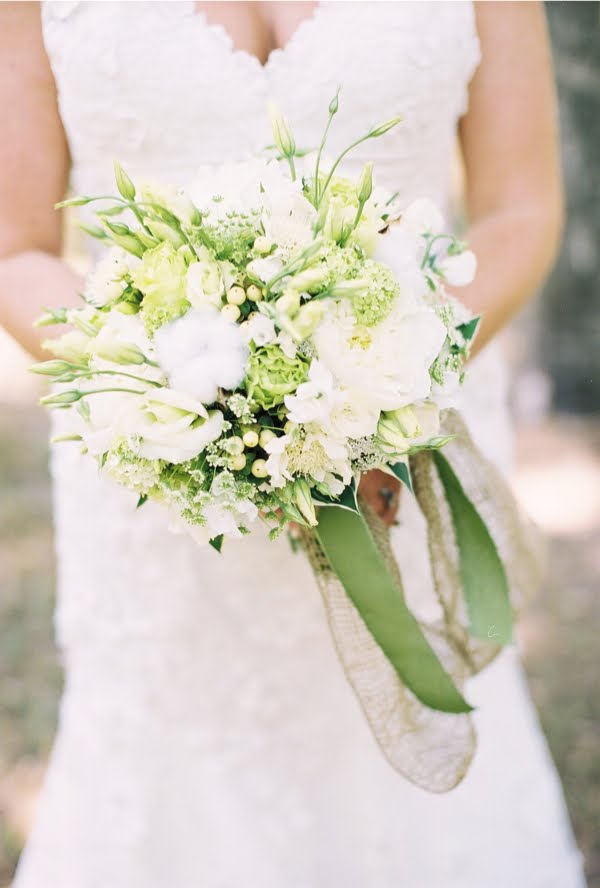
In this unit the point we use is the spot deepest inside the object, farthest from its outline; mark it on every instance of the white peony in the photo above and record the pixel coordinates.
(202, 352)
(385, 366)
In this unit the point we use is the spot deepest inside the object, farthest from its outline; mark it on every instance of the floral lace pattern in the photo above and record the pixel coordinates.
(207, 734)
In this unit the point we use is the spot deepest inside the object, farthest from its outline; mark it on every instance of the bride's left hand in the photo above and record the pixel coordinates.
(382, 492)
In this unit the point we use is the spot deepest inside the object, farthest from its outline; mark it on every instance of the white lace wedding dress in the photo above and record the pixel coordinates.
(207, 734)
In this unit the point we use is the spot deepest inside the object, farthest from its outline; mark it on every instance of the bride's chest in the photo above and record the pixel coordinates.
(145, 80)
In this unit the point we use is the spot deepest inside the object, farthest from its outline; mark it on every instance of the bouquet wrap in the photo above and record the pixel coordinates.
(432, 748)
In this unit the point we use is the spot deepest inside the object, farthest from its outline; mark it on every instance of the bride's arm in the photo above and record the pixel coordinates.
(510, 146)
(34, 165)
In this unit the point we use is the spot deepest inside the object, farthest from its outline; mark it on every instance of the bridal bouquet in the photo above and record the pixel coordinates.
(246, 348)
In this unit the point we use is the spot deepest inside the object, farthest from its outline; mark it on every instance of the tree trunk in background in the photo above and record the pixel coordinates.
(569, 311)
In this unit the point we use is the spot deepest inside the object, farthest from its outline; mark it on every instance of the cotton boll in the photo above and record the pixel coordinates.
(202, 352)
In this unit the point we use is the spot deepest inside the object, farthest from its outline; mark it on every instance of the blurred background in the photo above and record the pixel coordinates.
(554, 353)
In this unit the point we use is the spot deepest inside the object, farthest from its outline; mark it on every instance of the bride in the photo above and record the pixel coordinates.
(207, 735)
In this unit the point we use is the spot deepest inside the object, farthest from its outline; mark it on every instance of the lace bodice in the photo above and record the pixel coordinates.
(156, 86)
(207, 734)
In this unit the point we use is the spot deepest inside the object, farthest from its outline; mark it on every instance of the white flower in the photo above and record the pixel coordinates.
(287, 344)
(324, 405)
(385, 366)
(258, 329)
(106, 282)
(202, 352)
(242, 187)
(205, 281)
(314, 399)
(422, 217)
(401, 249)
(309, 453)
(266, 268)
(175, 427)
(460, 269)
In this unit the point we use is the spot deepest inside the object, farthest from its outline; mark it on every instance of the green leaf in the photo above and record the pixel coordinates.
(143, 499)
(217, 542)
(92, 230)
(346, 499)
(402, 472)
(484, 581)
(354, 556)
(469, 328)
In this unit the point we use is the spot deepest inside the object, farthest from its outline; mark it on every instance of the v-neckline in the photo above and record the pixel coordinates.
(221, 34)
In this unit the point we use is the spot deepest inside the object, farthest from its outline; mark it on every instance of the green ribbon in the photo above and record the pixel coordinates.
(353, 554)
(482, 573)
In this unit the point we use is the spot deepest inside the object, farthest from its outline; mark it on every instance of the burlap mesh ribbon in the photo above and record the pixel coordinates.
(430, 748)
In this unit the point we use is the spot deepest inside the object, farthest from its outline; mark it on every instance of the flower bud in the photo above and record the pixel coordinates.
(124, 183)
(250, 438)
(364, 187)
(254, 293)
(52, 368)
(265, 436)
(289, 427)
(383, 128)
(61, 398)
(115, 351)
(236, 295)
(303, 500)
(238, 462)
(259, 468)
(51, 316)
(263, 245)
(390, 436)
(282, 134)
(231, 312)
(308, 319)
(406, 421)
(165, 232)
(334, 104)
(348, 289)
(289, 303)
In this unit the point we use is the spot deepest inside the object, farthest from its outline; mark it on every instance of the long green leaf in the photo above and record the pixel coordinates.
(354, 556)
(484, 581)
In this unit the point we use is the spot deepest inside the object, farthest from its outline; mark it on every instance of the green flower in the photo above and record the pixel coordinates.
(375, 301)
(161, 277)
(271, 375)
